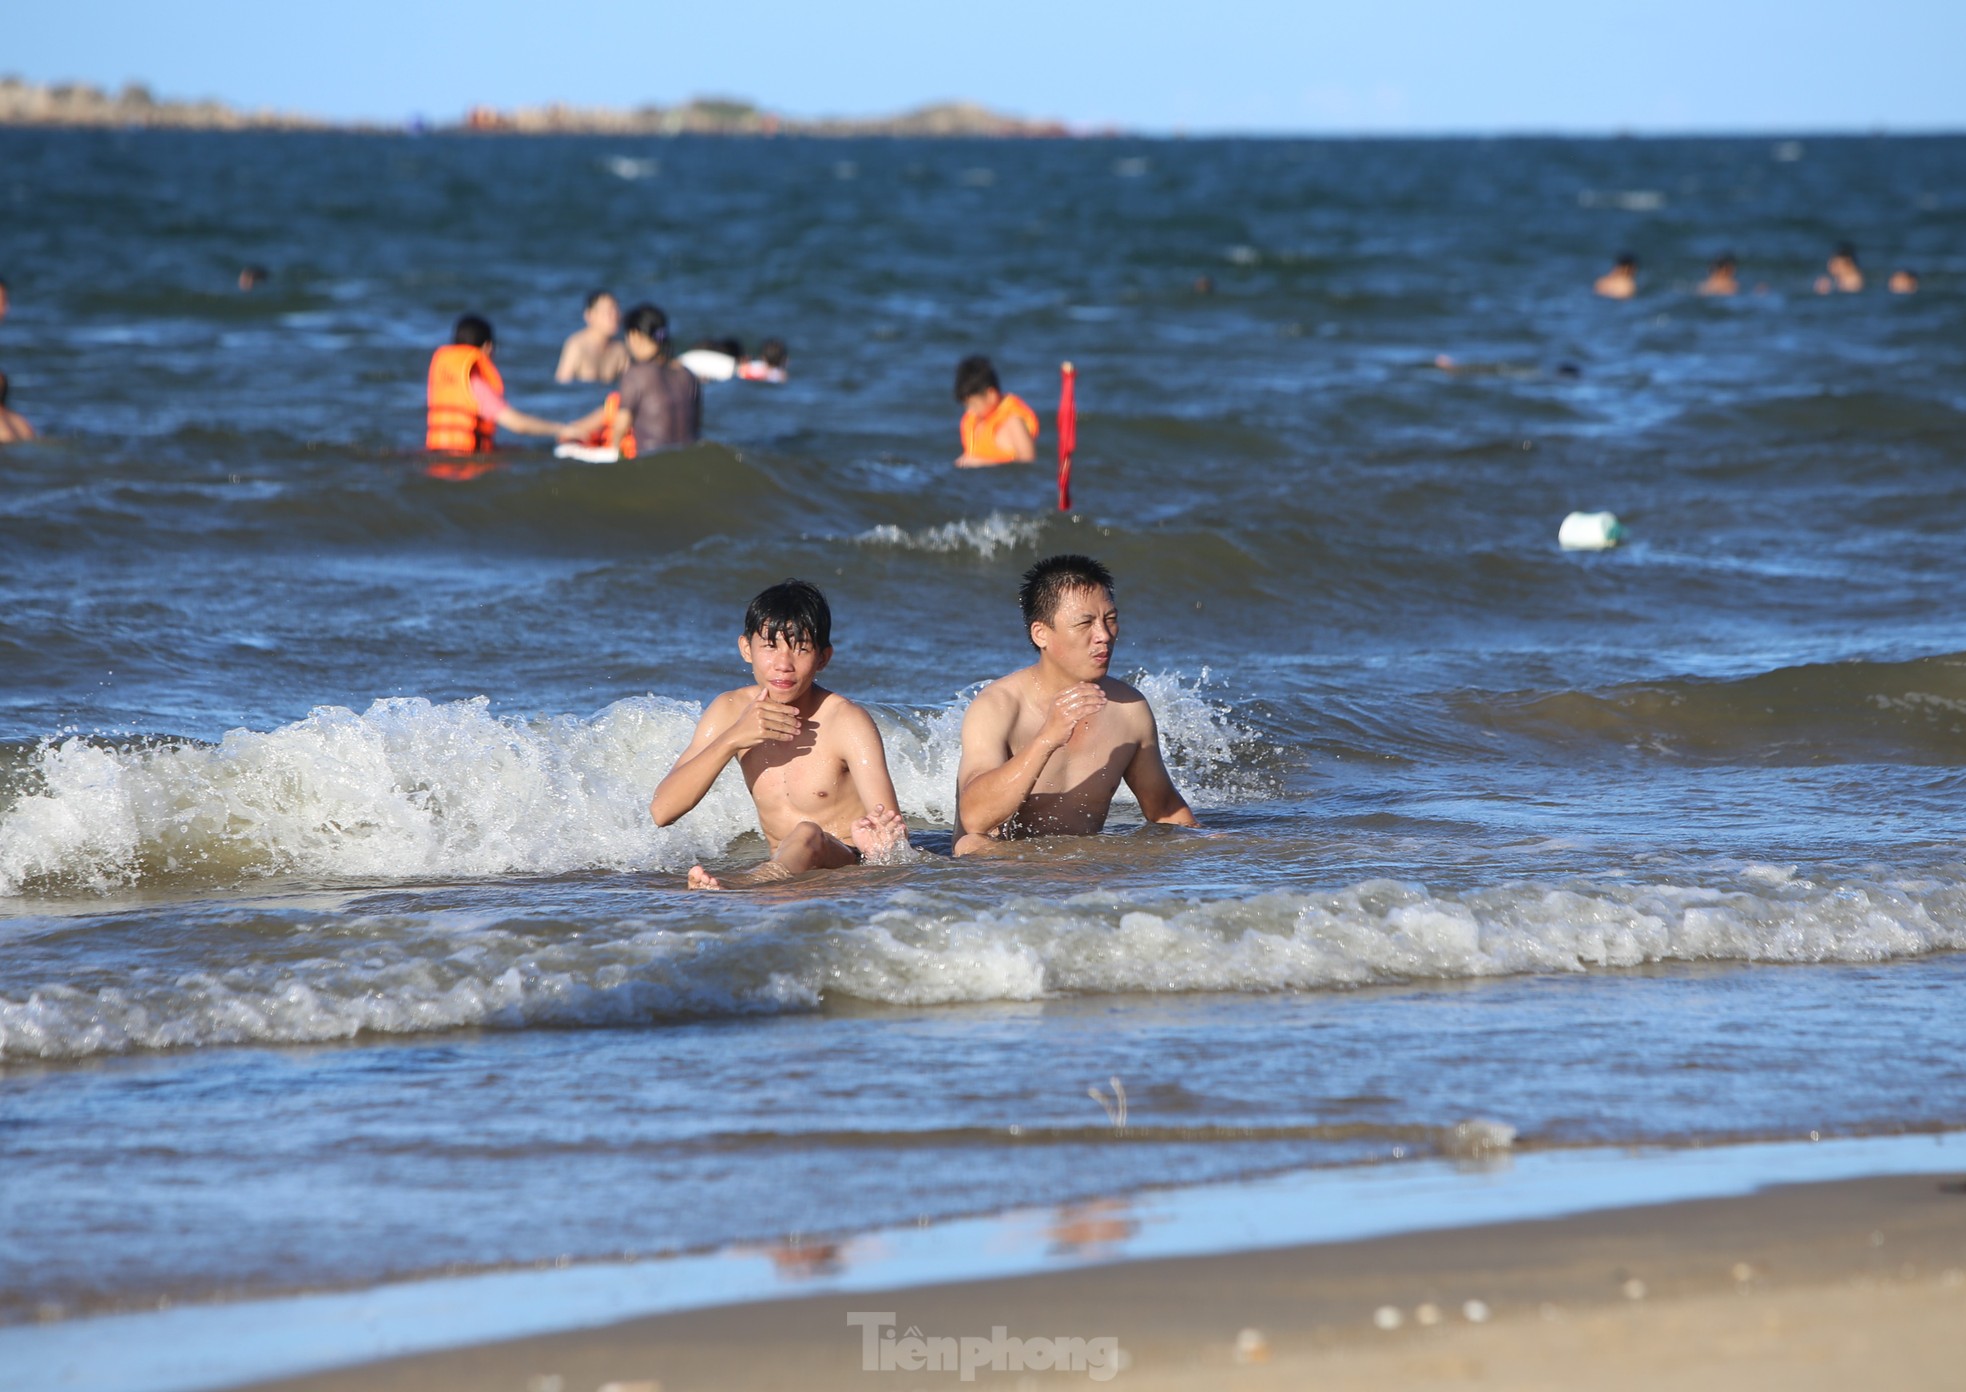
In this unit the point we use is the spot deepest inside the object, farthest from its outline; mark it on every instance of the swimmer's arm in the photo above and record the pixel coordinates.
(991, 782)
(586, 425)
(569, 359)
(519, 423)
(1146, 774)
(866, 761)
(1016, 437)
(736, 721)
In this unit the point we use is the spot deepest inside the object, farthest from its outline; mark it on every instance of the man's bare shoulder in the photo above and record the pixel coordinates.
(1128, 700)
(997, 703)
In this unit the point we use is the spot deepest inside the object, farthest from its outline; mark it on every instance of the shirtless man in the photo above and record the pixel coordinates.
(1045, 748)
(1844, 276)
(593, 353)
(811, 758)
(13, 426)
(1723, 276)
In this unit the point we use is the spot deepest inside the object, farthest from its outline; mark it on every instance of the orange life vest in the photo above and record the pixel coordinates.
(598, 436)
(453, 425)
(980, 432)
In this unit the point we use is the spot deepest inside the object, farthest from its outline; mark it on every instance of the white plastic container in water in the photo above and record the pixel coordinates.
(1590, 531)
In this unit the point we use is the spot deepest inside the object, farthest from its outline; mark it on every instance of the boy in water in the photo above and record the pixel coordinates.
(593, 353)
(1723, 276)
(13, 426)
(997, 428)
(812, 759)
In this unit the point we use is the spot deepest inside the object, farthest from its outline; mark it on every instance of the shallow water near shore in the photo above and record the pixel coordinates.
(336, 946)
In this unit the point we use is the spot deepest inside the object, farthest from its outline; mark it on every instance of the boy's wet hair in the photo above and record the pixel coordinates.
(974, 376)
(647, 320)
(473, 331)
(594, 297)
(791, 609)
(1048, 582)
(773, 352)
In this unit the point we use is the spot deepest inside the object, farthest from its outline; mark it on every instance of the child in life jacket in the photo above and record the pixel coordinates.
(997, 427)
(768, 366)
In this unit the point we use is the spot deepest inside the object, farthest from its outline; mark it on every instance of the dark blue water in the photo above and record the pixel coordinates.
(337, 942)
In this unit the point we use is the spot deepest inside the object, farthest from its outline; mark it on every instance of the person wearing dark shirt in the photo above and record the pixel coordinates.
(661, 402)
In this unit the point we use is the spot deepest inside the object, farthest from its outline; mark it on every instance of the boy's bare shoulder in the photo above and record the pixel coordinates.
(843, 716)
(731, 701)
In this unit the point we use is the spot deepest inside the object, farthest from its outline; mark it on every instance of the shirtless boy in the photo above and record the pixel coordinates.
(1045, 748)
(812, 758)
(593, 353)
(1621, 281)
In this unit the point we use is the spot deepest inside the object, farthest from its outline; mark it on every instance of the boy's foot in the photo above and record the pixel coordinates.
(699, 878)
(879, 834)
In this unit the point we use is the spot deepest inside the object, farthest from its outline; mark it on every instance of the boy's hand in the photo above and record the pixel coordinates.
(1069, 709)
(764, 722)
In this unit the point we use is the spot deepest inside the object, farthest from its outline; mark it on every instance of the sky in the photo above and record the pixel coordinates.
(1155, 66)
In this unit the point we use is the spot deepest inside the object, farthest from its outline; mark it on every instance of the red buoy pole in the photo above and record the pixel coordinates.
(1068, 434)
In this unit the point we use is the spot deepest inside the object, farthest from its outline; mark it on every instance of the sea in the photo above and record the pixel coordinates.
(337, 947)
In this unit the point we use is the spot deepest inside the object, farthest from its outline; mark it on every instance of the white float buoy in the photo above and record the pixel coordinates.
(1590, 531)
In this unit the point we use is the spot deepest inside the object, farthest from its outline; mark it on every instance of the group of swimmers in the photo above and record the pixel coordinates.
(657, 401)
(1044, 749)
(658, 398)
(1841, 276)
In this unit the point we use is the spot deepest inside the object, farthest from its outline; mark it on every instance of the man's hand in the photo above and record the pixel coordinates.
(1070, 709)
(764, 721)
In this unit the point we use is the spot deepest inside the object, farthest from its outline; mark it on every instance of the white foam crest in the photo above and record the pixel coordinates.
(406, 789)
(410, 790)
(1000, 531)
(404, 973)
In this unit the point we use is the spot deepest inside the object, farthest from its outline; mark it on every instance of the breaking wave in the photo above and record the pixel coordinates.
(326, 976)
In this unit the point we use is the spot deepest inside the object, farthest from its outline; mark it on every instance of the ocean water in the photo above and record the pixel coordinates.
(336, 945)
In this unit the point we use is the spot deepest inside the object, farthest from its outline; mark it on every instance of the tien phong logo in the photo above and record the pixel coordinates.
(882, 1350)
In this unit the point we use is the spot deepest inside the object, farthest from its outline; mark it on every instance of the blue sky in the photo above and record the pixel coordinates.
(1152, 65)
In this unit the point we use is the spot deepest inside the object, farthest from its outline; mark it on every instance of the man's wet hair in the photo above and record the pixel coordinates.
(773, 352)
(791, 609)
(1627, 261)
(647, 320)
(473, 331)
(1725, 261)
(3, 389)
(1848, 251)
(974, 376)
(1048, 582)
(594, 297)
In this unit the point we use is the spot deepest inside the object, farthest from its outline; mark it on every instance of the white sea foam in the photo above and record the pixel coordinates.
(985, 536)
(410, 790)
(338, 976)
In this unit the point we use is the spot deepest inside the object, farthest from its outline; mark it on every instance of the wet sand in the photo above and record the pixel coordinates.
(1853, 1283)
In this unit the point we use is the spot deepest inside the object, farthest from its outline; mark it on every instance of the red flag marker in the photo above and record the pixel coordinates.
(1068, 435)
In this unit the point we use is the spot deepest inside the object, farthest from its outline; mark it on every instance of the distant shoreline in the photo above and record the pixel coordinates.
(82, 106)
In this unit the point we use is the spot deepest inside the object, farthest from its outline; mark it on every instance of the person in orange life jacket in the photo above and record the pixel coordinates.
(997, 428)
(465, 401)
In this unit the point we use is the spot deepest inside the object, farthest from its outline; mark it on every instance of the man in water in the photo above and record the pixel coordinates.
(1621, 281)
(1723, 276)
(465, 396)
(1044, 749)
(593, 353)
(997, 428)
(661, 403)
(1903, 281)
(1845, 276)
(811, 758)
(13, 426)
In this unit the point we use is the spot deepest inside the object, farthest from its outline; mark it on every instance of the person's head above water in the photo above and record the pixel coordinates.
(1724, 264)
(1845, 251)
(473, 331)
(251, 277)
(3, 299)
(3, 389)
(1626, 262)
(791, 608)
(1903, 281)
(602, 311)
(975, 377)
(773, 352)
(1068, 613)
(647, 330)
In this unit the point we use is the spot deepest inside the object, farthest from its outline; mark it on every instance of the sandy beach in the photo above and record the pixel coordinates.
(1859, 1282)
